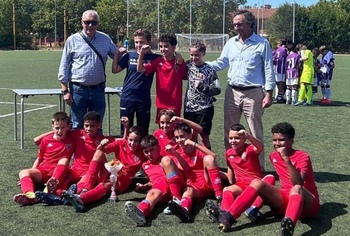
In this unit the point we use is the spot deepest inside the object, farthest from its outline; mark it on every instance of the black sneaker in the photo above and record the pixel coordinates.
(72, 188)
(48, 198)
(253, 214)
(287, 227)
(225, 221)
(180, 212)
(74, 199)
(211, 211)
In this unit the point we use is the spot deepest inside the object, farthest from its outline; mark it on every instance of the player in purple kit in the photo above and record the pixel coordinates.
(292, 76)
(136, 95)
(327, 63)
(280, 70)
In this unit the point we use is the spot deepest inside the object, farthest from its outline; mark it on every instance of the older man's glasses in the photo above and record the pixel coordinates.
(90, 22)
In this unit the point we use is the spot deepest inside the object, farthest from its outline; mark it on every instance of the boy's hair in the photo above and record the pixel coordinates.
(168, 38)
(143, 33)
(323, 47)
(299, 47)
(138, 130)
(183, 127)
(149, 141)
(199, 45)
(60, 117)
(92, 115)
(284, 128)
(316, 51)
(237, 127)
(166, 112)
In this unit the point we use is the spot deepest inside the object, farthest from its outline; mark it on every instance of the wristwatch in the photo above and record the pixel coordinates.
(65, 91)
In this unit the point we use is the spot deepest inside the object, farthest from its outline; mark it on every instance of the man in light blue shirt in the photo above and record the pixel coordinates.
(83, 72)
(250, 71)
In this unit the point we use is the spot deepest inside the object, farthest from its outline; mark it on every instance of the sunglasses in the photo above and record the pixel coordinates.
(88, 22)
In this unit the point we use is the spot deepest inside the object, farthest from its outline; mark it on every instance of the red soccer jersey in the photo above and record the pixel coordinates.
(164, 140)
(85, 148)
(245, 166)
(52, 150)
(155, 174)
(195, 161)
(169, 82)
(301, 161)
(131, 161)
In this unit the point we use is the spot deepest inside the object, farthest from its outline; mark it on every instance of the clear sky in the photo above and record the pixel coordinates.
(276, 3)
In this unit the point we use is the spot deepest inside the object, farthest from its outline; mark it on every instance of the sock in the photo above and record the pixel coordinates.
(302, 93)
(328, 93)
(94, 194)
(91, 174)
(294, 95)
(214, 176)
(276, 91)
(175, 183)
(64, 184)
(323, 90)
(227, 200)
(294, 207)
(80, 186)
(288, 93)
(186, 202)
(27, 184)
(309, 93)
(243, 202)
(60, 173)
(258, 203)
(145, 207)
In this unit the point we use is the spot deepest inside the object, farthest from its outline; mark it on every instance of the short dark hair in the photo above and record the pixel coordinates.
(199, 45)
(183, 127)
(138, 130)
(237, 127)
(92, 115)
(143, 33)
(166, 112)
(149, 141)
(284, 128)
(60, 117)
(248, 16)
(168, 38)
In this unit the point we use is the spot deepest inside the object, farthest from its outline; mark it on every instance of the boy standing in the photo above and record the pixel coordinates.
(292, 75)
(328, 63)
(170, 71)
(203, 85)
(136, 95)
(54, 153)
(298, 196)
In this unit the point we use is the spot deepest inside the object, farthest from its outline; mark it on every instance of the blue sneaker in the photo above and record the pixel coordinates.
(72, 188)
(135, 213)
(253, 214)
(48, 198)
(74, 199)
(287, 227)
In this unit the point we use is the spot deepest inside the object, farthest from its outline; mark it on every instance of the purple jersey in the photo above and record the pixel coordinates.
(280, 58)
(292, 64)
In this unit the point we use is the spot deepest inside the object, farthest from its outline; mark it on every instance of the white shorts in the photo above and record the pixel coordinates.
(291, 82)
(280, 77)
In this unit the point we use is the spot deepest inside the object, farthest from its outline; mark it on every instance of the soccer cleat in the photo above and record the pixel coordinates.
(51, 185)
(225, 221)
(253, 214)
(73, 199)
(306, 104)
(135, 213)
(211, 211)
(167, 210)
(72, 188)
(181, 212)
(48, 198)
(25, 198)
(287, 227)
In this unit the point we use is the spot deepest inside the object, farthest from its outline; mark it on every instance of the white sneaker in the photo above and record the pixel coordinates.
(135, 213)
(167, 210)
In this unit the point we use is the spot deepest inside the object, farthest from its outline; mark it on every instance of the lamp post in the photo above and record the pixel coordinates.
(55, 23)
(293, 21)
(223, 22)
(127, 19)
(190, 22)
(158, 22)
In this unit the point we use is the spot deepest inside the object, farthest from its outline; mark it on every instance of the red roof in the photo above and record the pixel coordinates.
(263, 12)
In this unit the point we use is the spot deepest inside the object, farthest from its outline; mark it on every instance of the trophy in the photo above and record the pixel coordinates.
(113, 167)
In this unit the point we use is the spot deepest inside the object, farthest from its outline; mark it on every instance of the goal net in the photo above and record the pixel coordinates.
(213, 42)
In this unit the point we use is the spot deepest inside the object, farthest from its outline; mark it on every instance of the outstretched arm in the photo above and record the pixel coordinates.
(38, 139)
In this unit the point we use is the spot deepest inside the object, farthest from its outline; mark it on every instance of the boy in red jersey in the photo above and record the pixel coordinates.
(298, 196)
(243, 166)
(159, 190)
(199, 168)
(127, 151)
(55, 151)
(170, 71)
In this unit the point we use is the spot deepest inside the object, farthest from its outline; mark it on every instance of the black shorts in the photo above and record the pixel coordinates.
(204, 118)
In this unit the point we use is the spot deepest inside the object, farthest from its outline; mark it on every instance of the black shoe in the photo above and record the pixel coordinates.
(74, 199)
(72, 188)
(287, 227)
(180, 212)
(212, 211)
(48, 198)
(225, 221)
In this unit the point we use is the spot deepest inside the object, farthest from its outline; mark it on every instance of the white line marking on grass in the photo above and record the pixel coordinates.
(35, 109)
(5, 88)
(29, 104)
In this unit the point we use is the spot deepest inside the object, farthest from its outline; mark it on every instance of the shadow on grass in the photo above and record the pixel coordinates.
(333, 104)
(326, 177)
(323, 222)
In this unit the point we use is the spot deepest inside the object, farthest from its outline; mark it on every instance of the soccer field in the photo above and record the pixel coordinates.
(322, 130)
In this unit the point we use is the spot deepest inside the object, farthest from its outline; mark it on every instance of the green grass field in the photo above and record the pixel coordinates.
(321, 130)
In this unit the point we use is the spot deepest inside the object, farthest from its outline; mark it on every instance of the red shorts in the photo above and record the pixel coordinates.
(203, 187)
(77, 173)
(46, 172)
(123, 183)
(242, 185)
(164, 188)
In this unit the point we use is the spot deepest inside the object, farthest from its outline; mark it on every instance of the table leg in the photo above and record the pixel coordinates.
(108, 116)
(22, 122)
(15, 116)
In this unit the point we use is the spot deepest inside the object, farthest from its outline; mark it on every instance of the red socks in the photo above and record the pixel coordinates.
(145, 207)
(227, 200)
(295, 207)
(60, 172)
(27, 184)
(94, 195)
(214, 176)
(243, 201)
(91, 174)
(175, 183)
(186, 203)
